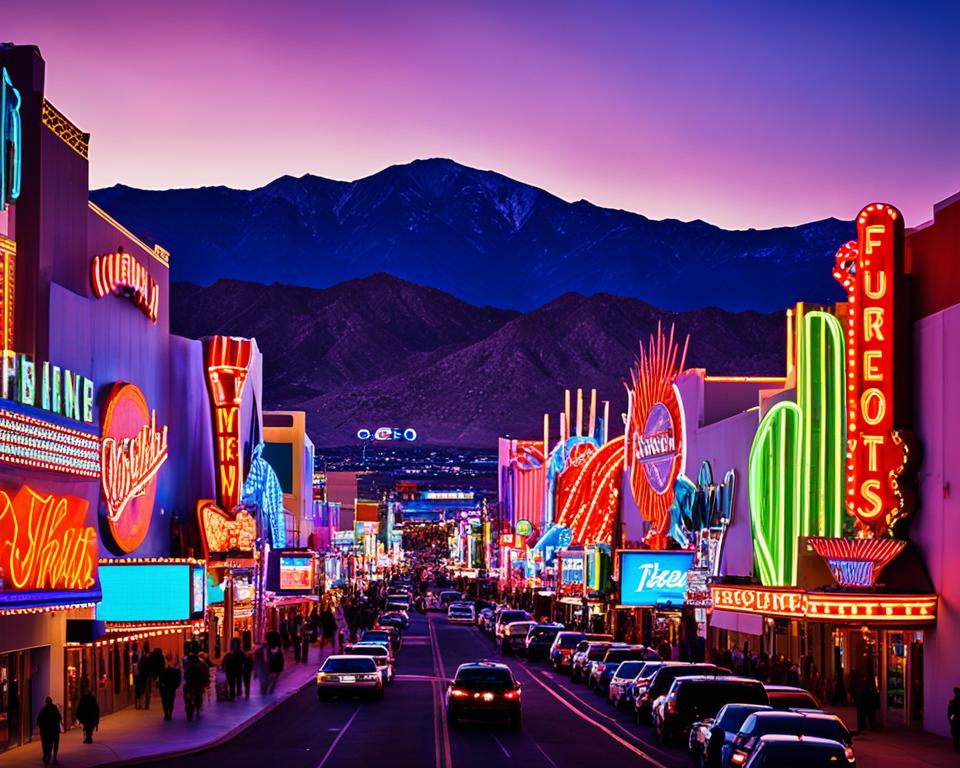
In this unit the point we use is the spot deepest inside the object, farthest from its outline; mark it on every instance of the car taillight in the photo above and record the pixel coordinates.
(458, 692)
(601, 666)
(738, 758)
(511, 695)
(641, 684)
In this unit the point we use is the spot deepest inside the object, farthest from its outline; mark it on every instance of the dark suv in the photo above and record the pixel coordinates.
(662, 680)
(539, 640)
(695, 698)
(483, 690)
(760, 724)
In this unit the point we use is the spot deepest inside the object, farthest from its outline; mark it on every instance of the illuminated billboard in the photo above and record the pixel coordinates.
(296, 572)
(387, 434)
(651, 578)
(151, 592)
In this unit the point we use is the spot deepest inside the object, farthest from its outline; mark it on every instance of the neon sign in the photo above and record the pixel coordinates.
(649, 577)
(45, 543)
(523, 528)
(132, 452)
(825, 606)
(262, 489)
(857, 562)
(224, 533)
(8, 290)
(228, 364)
(11, 140)
(60, 390)
(122, 275)
(656, 448)
(31, 442)
(878, 367)
(385, 434)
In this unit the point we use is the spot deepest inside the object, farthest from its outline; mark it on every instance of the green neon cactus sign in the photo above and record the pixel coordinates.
(796, 481)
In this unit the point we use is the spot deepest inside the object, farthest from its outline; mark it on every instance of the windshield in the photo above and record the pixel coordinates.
(565, 640)
(595, 654)
(547, 633)
(352, 664)
(366, 650)
(823, 727)
(508, 616)
(623, 655)
(629, 668)
(484, 676)
(734, 717)
(666, 675)
(519, 628)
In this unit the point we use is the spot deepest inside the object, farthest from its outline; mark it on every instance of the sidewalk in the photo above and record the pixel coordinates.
(133, 735)
(898, 747)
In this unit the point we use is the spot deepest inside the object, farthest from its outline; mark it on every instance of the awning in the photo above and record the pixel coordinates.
(747, 623)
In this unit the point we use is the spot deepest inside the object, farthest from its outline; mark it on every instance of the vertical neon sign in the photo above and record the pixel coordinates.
(228, 363)
(878, 369)
(11, 140)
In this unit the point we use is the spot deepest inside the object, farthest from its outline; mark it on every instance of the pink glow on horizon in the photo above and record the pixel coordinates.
(739, 117)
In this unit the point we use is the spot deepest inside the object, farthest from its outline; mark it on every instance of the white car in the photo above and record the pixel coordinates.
(461, 614)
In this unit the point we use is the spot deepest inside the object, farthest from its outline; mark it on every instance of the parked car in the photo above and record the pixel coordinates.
(379, 653)
(711, 738)
(349, 675)
(660, 684)
(461, 613)
(539, 639)
(790, 697)
(821, 725)
(508, 616)
(691, 699)
(563, 647)
(447, 597)
(586, 654)
(639, 684)
(799, 752)
(394, 618)
(602, 671)
(386, 635)
(514, 638)
(619, 691)
(484, 689)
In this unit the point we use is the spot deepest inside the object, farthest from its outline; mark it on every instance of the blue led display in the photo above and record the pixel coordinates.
(649, 577)
(148, 592)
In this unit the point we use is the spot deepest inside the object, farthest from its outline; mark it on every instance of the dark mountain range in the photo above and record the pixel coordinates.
(381, 351)
(477, 235)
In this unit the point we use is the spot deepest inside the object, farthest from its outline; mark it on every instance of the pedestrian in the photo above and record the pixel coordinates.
(157, 663)
(329, 626)
(953, 716)
(170, 680)
(305, 645)
(247, 672)
(233, 668)
(50, 723)
(276, 667)
(141, 679)
(261, 665)
(196, 681)
(88, 713)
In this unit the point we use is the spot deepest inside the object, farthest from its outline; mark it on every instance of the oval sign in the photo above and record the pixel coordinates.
(656, 447)
(523, 528)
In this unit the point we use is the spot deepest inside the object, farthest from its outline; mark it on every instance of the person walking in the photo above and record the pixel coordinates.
(157, 663)
(88, 713)
(276, 667)
(953, 716)
(170, 680)
(196, 681)
(247, 673)
(261, 665)
(50, 723)
(233, 667)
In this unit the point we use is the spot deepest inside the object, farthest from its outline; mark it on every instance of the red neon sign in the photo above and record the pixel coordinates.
(228, 363)
(878, 369)
(45, 543)
(121, 274)
(131, 453)
(223, 533)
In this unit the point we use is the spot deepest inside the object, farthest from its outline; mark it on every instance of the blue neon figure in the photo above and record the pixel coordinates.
(11, 143)
(262, 489)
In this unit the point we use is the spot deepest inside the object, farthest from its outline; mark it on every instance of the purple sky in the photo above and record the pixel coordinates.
(743, 115)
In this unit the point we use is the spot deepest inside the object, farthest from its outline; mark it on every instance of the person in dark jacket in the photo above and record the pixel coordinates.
(196, 680)
(156, 665)
(170, 679)
(247, 672)
(88, 713)
(50, 723)
(953, 715)
(233, 669)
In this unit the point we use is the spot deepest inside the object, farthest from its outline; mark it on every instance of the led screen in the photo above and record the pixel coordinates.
(296, 573)
(146, 592)
(650, 577)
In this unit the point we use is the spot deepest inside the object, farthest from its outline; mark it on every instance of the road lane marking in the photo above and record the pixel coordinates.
(438, 688)
(416, 678)
(623, 742)
(500, 744)
(548, 758)
(339, 736)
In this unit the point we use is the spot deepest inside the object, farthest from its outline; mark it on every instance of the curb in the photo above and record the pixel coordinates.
(217, 742)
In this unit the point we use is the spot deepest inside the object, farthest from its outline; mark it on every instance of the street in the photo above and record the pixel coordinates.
(564, 724)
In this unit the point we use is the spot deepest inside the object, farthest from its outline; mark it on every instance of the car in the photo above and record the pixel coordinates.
(461, 613)
(507, 616)
(602, 671)
(800, 752)
(485, 619)
(397, 605)
(398, 619)
(484, 690)
(585, 654)
(539, 639)
(660, 682)
(514, 638)
(620, 689)
(384, 635)
(711, 738)
(447, 596)
(691, 699)
(379, 653)
(563, 647)
(349, 675)
(760, 724)
(791, 697)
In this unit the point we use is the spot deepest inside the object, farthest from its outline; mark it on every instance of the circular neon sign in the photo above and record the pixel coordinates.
(523, 528)
(655, 449)
(384, 434)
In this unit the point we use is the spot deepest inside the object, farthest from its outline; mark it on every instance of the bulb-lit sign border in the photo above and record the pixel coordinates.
(121, 274)
(879, 367)
(855, 608)
(40, 444)
(132, 451)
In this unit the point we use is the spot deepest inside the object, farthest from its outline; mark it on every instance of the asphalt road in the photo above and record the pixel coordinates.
(564, 724)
